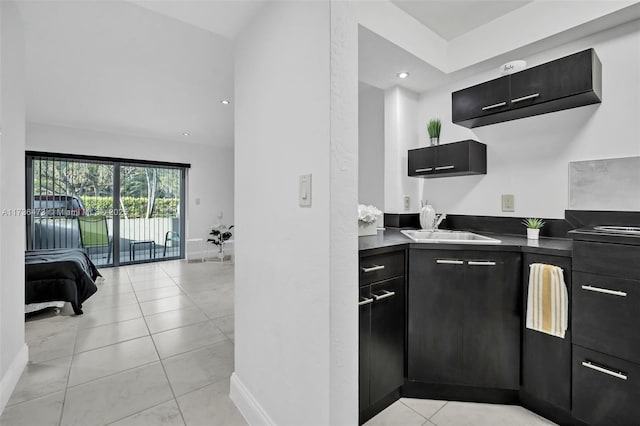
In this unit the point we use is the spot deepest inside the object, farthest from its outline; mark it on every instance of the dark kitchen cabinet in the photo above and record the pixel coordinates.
(452, 159)
(382, 331)
(464, 318)
(568, 82)
(606, 346)
(481, 100)
(546, 360)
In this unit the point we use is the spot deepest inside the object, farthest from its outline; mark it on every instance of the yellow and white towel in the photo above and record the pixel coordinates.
(547, 301)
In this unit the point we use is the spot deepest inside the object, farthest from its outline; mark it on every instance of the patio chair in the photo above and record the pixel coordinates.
(94, 233)
(170, 237)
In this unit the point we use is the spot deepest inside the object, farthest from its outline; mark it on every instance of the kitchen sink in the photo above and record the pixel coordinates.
(444, 236)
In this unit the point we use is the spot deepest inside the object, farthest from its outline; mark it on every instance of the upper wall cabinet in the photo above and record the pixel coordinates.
(451, 159)
(569, 82)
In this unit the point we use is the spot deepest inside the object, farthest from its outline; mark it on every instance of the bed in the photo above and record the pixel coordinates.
(59, 275)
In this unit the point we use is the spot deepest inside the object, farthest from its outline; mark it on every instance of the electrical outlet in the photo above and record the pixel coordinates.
(508, 203)
(406, 203)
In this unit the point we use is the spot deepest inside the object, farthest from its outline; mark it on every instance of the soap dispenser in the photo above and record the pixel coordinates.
(427, 217)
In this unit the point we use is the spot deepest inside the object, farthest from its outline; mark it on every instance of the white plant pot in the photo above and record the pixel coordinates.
(367, 228)
(533, 234)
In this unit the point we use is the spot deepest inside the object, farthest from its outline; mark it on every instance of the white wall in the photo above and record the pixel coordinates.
(529, 157)
(210, 178)
(13, 351)
(371, 146)
(401, 134)
(296, 268)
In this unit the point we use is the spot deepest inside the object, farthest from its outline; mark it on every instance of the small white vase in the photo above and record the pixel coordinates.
(533, 234)
(367, 228)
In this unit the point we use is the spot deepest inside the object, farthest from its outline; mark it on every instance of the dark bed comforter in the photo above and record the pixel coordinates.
(59, 274)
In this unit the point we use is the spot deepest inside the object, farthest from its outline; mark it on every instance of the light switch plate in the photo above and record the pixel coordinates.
(304, 197)
(508, 203)
(406, 203)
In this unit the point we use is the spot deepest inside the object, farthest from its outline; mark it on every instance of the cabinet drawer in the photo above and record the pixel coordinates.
(381, 267)
(605, 314)
(606, 390)
(617, 260)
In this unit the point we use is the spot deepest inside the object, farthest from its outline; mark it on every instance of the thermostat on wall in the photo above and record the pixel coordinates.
(513, 66)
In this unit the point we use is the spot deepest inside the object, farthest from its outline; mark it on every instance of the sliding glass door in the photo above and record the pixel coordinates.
(118, 211)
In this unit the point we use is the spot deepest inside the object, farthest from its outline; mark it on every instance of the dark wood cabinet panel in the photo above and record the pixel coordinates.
(606, 314)
(381, 267)
(564, 77)
(421, 161)
(491, 337)
(615, 260)
(364, 345)
(435, 317)
(382, 316)
(569, 82)
(464, 318)
(387, 337)
(606, 390)
(481, 100)
(546, 360)
(467, 157)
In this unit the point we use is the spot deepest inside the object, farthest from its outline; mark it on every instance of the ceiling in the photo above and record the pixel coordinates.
(117, 67)
(450, 19)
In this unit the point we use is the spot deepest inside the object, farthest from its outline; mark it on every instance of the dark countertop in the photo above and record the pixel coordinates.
(391, 239)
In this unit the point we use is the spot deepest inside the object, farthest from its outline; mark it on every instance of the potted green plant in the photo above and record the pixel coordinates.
(433, 127)
(220, 234)
(533, 227)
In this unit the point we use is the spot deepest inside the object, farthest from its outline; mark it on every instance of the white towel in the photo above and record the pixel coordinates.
(548, 300)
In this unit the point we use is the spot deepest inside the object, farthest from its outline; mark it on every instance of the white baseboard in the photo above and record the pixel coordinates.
(11, 377)
(248, 405)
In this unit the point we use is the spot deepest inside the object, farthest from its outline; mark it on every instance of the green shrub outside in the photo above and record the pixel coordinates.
(135, 207)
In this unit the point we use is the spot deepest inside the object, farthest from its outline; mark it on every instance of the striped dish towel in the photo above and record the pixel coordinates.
(547, 301)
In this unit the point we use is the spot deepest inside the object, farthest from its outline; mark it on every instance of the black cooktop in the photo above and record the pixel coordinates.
(620, 234)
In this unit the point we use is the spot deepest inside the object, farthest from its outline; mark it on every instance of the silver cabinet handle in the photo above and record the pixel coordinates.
(428, 169)
(481, 263)
(445, 167)
(488, 107)
(617, 374)
(524, 98)
(373, 268)
(385, 295)
(450, 261)
(605, 291)
(366, 301)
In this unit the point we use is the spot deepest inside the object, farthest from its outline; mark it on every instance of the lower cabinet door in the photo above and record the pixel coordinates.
(387, 338)
(364, 345)
(606, 390)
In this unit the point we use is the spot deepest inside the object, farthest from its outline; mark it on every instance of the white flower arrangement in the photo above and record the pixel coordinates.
(368, 214)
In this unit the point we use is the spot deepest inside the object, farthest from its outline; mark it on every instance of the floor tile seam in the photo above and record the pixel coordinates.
(182, 326)
(164, 370)
(437, 411)
(415, 411)
(196, 348)
(44, 395)
(146, 364)
(66, 387)
(111, 344)
(170, 310)
(110, 323)
(199, 388)
(144, 409)
(162, 297)
(199, 348)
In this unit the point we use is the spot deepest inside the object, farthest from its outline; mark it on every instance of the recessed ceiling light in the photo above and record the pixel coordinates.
(403, 74)
(186, 134)
(225, 102)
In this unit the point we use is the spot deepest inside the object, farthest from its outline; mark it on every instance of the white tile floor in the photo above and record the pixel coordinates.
(155, 347)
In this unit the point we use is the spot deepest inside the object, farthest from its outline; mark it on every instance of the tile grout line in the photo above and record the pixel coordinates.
(66, 387)
(175, 399)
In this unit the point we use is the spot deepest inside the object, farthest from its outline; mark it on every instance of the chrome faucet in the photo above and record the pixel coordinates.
(439, 220)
